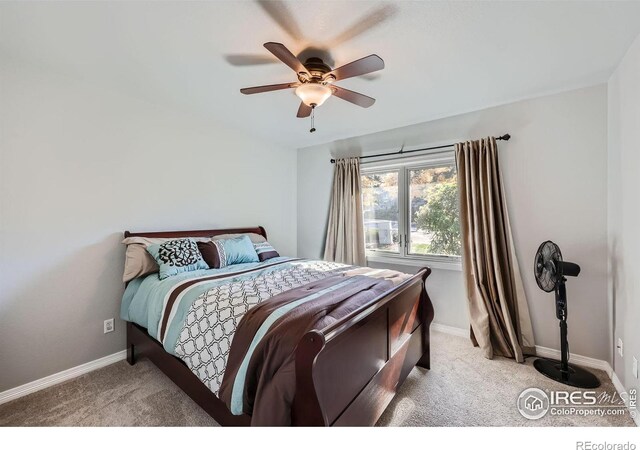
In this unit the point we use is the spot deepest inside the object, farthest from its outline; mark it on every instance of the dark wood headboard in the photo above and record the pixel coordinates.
(196, 233)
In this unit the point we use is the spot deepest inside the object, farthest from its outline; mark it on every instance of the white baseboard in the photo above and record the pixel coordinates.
(546, 352)
(580, 360)
(461, 332)
(59, 377)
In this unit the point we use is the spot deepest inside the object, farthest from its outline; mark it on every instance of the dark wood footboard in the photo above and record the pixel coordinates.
(377, 347)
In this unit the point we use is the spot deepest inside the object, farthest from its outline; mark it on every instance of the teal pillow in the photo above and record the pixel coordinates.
(177, 256)
(236, 251)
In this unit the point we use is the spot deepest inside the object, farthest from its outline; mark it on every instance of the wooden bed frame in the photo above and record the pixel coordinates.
(346, 374)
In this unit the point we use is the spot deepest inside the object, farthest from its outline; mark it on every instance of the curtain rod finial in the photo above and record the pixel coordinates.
(505, 137)
(333, 161)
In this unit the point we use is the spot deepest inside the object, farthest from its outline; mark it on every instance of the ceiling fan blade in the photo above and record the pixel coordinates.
(249, 60)
(279, 12)
(359, 67)
(353, 97)
(283, 54)
(304, 110)
(267, 88)
(366, 23)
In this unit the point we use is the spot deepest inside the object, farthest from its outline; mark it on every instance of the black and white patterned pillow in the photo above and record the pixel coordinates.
(177, 256)
(179, 252)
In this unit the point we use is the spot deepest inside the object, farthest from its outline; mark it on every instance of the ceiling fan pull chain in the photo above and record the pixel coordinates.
(313, 113)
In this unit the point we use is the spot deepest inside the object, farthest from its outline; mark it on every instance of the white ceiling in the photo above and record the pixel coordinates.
(442, 58)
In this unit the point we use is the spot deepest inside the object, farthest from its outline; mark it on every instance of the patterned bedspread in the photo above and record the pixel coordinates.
(195, 315)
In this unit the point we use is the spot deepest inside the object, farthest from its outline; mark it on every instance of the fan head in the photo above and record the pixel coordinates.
(317, 69)
(548, 266)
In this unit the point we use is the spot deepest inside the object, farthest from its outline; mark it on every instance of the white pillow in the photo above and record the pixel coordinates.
(255, 238)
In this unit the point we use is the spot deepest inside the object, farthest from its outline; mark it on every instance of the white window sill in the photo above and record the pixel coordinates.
(434, 263)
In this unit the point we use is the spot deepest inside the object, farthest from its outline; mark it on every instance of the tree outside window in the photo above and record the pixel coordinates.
(435, 223)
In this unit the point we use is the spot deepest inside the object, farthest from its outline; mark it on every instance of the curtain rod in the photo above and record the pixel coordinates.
(504, 137)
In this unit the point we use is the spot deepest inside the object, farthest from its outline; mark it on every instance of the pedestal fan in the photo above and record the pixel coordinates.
(550, 271)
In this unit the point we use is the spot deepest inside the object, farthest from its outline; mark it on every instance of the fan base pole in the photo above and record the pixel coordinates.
(575, 376)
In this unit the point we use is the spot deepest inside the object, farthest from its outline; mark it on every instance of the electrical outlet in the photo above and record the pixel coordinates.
(620, 347)
(634, 369)
(108, 326)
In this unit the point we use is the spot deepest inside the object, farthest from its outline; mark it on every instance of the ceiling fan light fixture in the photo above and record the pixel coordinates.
(313, 94)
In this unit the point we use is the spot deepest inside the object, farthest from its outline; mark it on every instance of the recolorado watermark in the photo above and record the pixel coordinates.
(534, 403)
(589, 445)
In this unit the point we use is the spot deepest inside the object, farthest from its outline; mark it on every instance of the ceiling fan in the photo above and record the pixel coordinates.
(315, 80)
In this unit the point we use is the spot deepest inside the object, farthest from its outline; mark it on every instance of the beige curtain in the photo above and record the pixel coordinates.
(345, 230)
(499, 314)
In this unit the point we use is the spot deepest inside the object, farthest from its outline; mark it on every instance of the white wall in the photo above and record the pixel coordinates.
(624, 211)
(555, 174)
(80, 164)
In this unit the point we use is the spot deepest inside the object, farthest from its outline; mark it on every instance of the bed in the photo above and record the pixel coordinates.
(343, 373)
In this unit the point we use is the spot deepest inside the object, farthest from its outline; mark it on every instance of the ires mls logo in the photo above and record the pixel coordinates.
(533, 403)
(575, 398)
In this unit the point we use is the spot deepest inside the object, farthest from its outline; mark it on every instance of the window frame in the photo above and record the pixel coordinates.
(390, 253)
(403, 167)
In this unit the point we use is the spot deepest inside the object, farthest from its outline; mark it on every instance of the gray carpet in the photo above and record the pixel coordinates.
(461, 389)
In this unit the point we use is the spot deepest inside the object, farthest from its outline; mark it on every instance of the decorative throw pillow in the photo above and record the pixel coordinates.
(265, 251)
(177, 256)
(209, 253)
(138, 262)
(220, 253)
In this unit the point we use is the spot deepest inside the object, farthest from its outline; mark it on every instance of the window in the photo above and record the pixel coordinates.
(411, 210)
(381, 212)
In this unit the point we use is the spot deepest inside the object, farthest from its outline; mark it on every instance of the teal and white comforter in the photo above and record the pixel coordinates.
(194, 315)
